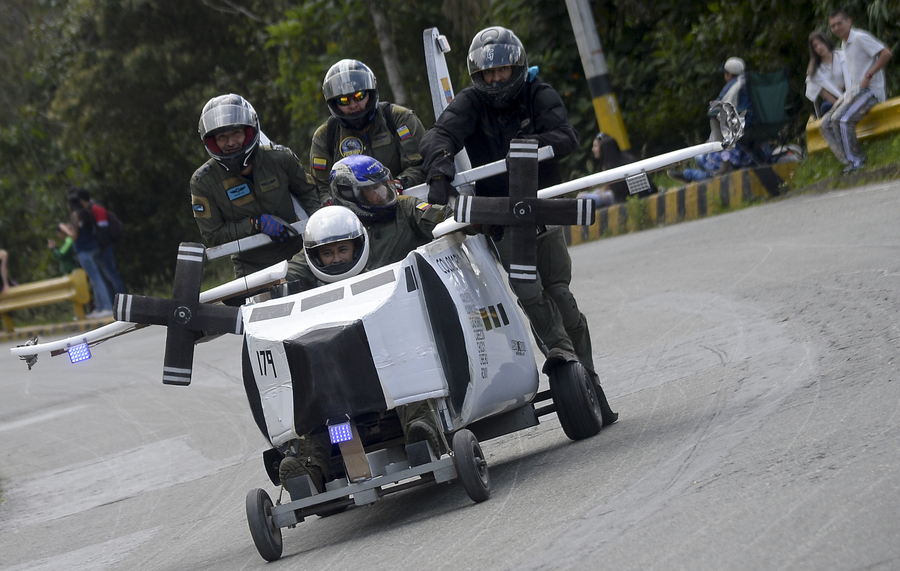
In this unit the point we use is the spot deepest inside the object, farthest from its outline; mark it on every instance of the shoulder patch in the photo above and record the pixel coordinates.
(198, 174)
(320, 163)
(404, 133)
(423, 206)
(200, 206)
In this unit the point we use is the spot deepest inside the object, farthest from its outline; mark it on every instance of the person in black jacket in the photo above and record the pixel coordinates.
(505, 102)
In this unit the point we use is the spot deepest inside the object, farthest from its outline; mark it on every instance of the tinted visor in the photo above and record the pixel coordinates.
(347, 82)
(226, 116)
(495, 55)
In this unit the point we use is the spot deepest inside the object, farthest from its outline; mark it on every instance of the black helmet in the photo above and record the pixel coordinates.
(346, 78)
(226, 113)
(496, 47)
(365, 186)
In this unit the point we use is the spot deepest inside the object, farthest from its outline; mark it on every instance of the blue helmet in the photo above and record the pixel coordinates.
(365, 186)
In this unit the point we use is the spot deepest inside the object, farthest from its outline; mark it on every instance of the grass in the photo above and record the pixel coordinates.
(824, 166)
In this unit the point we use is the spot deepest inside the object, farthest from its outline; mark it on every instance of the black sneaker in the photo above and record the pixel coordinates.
(675, 175)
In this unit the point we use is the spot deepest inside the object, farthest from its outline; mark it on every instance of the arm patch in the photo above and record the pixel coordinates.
(200, 206)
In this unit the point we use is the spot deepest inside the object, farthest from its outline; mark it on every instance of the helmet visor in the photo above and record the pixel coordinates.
(347, 82)
(495, 55)
(380, 195)
(225, 116)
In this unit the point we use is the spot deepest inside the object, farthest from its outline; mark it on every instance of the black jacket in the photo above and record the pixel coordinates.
(471, 122)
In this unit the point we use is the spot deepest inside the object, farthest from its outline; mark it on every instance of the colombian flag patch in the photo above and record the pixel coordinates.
(404, 132)
(423, 206)
(320, 163)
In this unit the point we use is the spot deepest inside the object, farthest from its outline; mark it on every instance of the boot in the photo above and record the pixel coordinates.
(291, 467)
(606, 412)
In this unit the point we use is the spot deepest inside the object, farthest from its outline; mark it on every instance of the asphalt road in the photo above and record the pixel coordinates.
(751, 357)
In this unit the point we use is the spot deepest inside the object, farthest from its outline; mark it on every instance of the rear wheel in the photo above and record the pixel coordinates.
(577, 405)
(471, 465)
(266, 535)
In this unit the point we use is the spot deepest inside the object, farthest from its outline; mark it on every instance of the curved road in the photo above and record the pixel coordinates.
(751, 357)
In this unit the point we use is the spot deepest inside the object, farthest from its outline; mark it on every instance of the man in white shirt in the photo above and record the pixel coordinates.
(865, 57)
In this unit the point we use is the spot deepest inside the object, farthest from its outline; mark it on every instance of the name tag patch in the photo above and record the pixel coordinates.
(238, 191)
(268, 185)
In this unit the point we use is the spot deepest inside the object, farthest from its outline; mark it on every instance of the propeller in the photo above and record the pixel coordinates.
(522, 212)
(183, 315)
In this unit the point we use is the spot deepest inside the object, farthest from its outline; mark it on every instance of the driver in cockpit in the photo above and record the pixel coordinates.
(368, 227)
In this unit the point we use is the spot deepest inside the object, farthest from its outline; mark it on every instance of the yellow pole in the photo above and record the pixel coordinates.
(606, 107)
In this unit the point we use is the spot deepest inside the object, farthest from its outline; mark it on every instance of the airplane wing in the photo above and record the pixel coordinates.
(233, 288)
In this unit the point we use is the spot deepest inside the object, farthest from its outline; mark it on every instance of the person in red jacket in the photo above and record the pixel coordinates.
(106, 260)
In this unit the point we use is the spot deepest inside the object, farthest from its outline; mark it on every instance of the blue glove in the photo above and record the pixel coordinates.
(273, 226)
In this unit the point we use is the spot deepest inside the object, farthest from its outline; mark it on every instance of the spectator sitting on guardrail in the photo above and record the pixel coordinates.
(711, 164)
(865, 57)
(64, 252)
(609, 156)
(826, 73)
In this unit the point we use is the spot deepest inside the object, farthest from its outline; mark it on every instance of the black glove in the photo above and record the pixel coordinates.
(492, 231)
(273, 226)
(440, 190)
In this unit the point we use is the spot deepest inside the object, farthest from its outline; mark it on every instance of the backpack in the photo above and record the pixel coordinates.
(111, 232)
(115, 227)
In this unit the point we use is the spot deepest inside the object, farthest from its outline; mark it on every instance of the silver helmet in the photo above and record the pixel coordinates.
(227, 113)
(347, 78)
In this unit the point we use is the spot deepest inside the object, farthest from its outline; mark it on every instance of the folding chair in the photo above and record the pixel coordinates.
(768, 95)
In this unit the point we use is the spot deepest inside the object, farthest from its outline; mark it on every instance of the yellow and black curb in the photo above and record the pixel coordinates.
(695, 200)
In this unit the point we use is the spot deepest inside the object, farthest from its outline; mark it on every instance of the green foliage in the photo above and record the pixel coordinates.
(106, 94)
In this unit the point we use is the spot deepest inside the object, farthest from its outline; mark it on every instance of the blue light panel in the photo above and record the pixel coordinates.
(79, 353)
(340, 432)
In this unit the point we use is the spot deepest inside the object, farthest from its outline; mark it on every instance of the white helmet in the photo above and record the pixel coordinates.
(327, 226)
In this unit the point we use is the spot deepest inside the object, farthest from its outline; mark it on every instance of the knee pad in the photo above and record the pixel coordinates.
(528, 293)
(565, 302)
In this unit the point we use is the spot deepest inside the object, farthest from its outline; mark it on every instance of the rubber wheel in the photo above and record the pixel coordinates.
(577, 405)
(471, 467)
(266, 536)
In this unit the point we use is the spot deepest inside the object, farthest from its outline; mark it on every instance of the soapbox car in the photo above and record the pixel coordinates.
(442, 326)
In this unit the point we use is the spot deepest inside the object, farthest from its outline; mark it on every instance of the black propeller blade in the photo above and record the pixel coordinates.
(183, 315)
(522, 212)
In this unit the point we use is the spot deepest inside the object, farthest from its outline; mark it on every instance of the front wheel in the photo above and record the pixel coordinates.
(577, 405)
(266, 535)
(471, 465)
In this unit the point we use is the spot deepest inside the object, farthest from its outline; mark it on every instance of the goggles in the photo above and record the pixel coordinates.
(345, 100)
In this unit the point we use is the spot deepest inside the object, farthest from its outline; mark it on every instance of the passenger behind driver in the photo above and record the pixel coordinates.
(369, 227)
